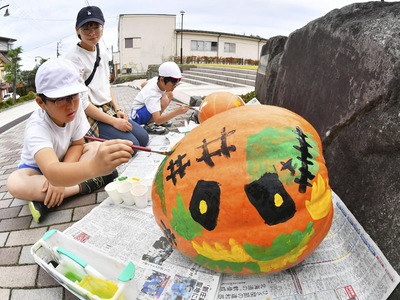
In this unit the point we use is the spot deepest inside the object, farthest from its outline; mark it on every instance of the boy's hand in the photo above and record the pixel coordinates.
(122, 124)
(182, 109)
(110, 155)
(54, 194)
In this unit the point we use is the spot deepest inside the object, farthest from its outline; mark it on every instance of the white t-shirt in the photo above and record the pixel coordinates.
(41, 132)
(99, 88)
(149, 96)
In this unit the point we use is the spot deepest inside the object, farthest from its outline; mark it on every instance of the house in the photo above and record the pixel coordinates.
(5, 46)
(146, 39)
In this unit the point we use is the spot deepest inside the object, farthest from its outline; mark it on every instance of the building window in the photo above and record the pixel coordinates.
(133, 43)
(203, 46)
(230, 47)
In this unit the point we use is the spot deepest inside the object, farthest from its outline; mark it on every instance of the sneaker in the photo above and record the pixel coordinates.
(155, 129)
(166, 124)
(93, 184)
(38, 210)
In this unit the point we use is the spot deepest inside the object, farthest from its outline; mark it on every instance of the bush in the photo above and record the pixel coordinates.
(247, 97)
(30, 96)
(127, 78)
(9, 102)
(3, 104)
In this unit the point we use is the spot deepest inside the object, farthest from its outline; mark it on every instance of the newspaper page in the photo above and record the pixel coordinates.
(130, 234)
(347, 265)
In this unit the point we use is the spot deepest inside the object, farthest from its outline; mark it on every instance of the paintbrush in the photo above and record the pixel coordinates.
(190, 107)
(140, 148)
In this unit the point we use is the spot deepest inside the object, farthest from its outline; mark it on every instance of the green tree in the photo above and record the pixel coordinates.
(13, 70)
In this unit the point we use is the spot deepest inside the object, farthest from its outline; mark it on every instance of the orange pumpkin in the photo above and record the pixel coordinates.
(245, 196)
(216, 103)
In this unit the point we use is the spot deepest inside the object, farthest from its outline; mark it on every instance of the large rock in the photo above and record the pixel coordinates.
(342, 73)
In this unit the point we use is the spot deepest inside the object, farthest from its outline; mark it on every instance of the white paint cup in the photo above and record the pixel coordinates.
(149, 184)
(124, 190)
(139, 193)
(112, 191)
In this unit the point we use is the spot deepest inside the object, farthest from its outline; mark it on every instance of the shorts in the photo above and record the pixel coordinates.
(142, 116)
(24, 166)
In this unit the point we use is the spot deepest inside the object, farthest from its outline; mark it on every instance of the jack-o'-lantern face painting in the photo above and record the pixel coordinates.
(246, 191)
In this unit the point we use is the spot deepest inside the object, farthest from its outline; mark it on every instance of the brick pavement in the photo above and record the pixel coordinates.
(20, 277)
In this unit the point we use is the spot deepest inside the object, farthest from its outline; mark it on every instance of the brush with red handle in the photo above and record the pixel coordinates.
(140, 148)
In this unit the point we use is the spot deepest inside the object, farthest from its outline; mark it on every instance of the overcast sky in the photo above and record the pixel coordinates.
(39, 26)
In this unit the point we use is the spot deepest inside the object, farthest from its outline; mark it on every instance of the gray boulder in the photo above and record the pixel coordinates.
(341, 72)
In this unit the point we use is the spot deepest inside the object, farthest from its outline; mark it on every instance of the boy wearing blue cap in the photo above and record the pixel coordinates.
(107, 120)
(55, 163)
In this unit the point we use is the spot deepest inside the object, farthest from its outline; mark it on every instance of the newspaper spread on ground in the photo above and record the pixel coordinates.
(130, 234)
(347, 264)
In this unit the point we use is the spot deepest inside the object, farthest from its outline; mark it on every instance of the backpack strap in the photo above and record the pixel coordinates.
(96, 64)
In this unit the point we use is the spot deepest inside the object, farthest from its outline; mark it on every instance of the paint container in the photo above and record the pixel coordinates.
(124, 189)
(149, 183)
(112, 191)
(133, 180)
(84, 271)
(139, 192)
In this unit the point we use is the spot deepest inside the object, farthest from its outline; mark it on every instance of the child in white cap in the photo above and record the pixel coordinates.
(55, 162)
(149, 105)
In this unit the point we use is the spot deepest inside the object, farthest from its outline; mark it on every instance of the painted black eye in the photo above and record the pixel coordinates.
(271, 200)
(204, 205)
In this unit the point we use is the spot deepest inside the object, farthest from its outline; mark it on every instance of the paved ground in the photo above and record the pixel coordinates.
(20, 277)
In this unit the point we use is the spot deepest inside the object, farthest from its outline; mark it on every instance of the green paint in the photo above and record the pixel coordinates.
(73, 277)
(183, 223)
(274, 144)
(282, 244)
(159, 180)
(223, 264)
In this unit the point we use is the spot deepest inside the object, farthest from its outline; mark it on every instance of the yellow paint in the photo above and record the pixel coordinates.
(235, 254)
(203, 207)
(321, 199)
(238, 103)
(238, 254)
(278, 200)
(99, 287)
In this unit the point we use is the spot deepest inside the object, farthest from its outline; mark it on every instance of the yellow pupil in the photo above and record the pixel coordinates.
(278, 200)
(203, 207)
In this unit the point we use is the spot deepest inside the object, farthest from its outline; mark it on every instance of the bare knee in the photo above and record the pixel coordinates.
(16, 186)
(26, 184)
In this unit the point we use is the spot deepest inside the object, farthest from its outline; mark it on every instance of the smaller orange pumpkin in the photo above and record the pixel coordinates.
(216, 103)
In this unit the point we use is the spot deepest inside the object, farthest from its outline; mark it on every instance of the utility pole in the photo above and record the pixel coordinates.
(182, 13)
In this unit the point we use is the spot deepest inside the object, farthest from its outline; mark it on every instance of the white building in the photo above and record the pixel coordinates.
(153, 39)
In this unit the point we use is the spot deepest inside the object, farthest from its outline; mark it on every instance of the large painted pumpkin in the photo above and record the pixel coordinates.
(216, 103)
(246, 192)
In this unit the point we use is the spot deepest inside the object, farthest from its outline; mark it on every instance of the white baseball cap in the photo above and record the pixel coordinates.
(57, 78)
(169, 69)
